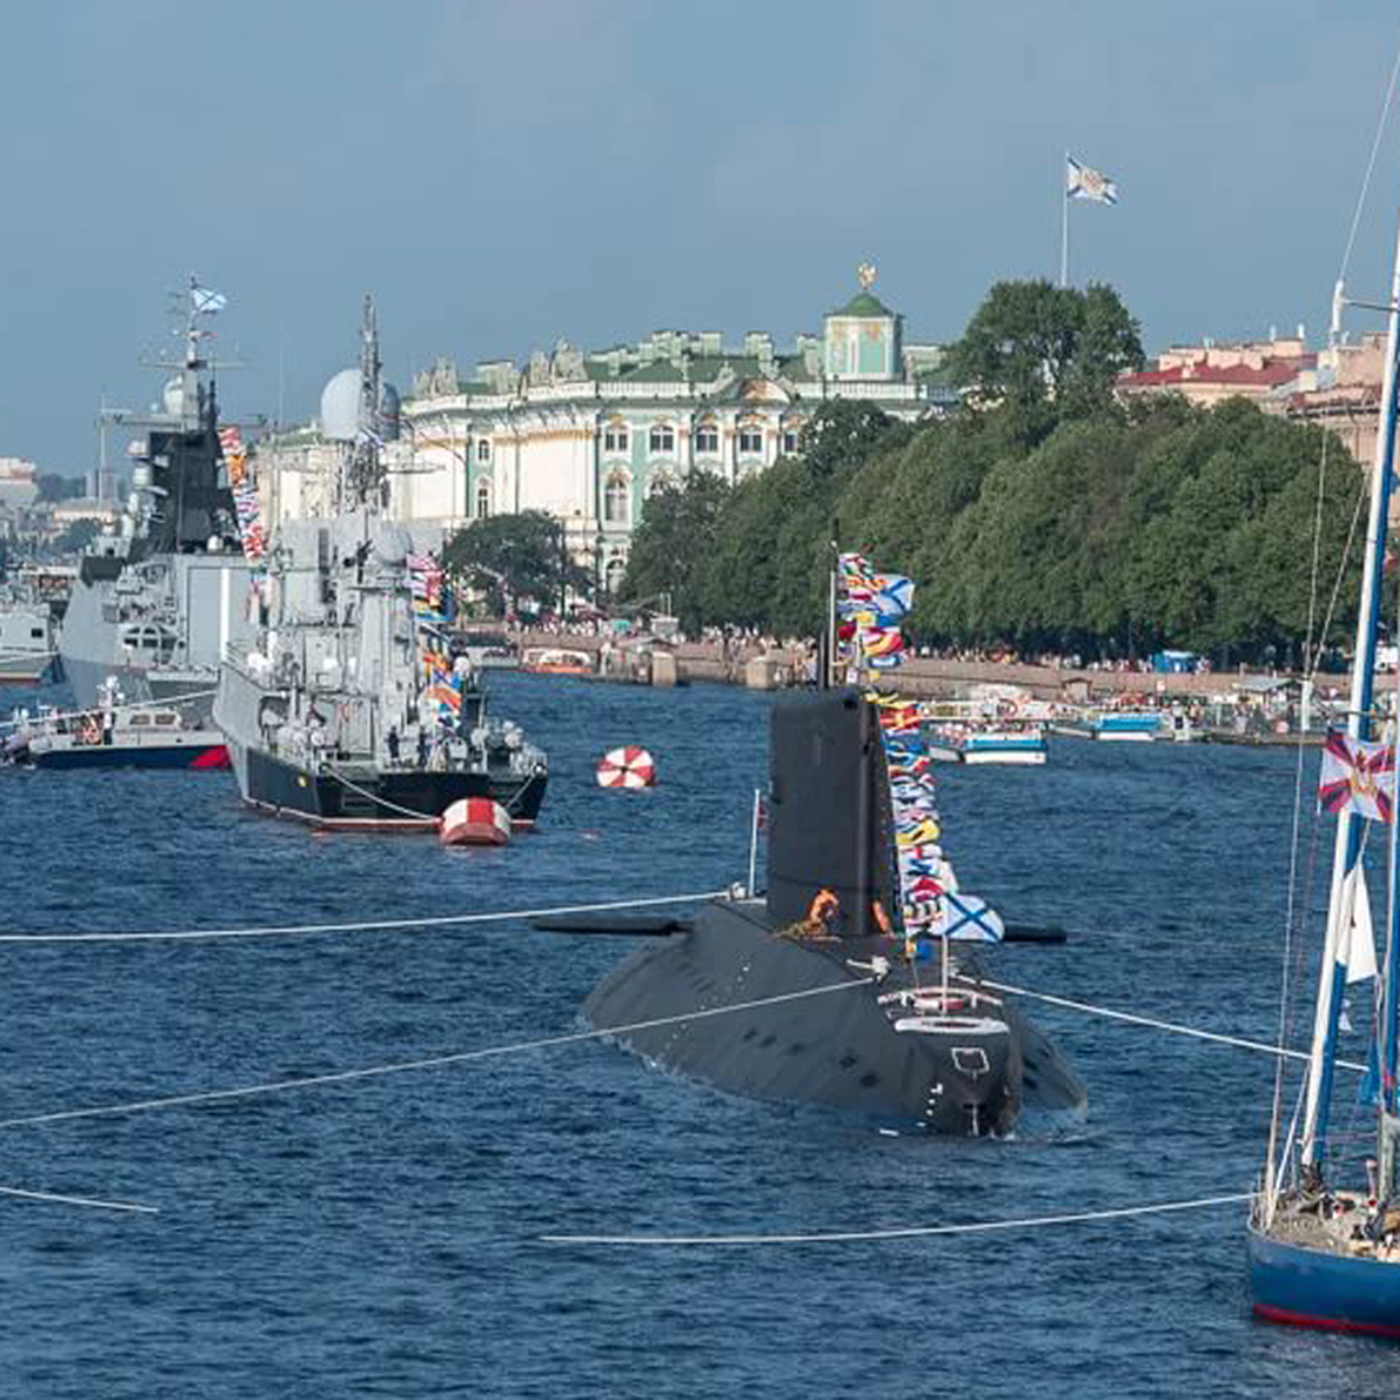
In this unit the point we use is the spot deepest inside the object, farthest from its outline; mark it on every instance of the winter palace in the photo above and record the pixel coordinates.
(588, 436)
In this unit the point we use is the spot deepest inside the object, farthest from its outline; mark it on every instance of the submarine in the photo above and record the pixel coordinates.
(813, 994)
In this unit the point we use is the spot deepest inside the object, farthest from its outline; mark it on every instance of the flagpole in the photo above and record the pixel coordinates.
(1064, 225)
(753, 841)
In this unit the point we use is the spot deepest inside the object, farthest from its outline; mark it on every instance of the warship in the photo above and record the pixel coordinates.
(157, 604)
(836, 1007)
(345, 710)
(26, 641)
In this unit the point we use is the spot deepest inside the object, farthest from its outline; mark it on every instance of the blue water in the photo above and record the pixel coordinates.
(381, 1238)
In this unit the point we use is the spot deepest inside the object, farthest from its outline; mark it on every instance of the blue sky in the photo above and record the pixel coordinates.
(503, 174)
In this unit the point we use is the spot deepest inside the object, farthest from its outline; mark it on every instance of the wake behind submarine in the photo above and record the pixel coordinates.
(838, 1008)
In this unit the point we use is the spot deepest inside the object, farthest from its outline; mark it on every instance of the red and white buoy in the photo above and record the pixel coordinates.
(629, 767)
(475, 821)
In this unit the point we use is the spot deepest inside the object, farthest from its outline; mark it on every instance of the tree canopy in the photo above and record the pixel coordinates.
(1044, 353)
(516, 561)
(1043, 516)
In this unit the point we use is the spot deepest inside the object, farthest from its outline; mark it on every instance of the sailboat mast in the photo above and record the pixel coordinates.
(1347, 848)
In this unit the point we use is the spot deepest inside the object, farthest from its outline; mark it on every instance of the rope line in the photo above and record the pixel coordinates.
(376, 798)
(54, 1198)
(359, 925)
(1239, 1042)
(433, 1062)
(187, 697)
(904, 1232)
(1370, 167)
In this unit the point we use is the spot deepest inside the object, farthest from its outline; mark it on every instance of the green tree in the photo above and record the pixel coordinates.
(1042, 352)
(514, 560)
(674, 544)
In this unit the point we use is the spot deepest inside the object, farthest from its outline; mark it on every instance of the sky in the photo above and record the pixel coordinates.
(501, 175)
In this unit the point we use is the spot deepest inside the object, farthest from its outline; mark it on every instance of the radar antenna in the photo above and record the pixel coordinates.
(367, 483)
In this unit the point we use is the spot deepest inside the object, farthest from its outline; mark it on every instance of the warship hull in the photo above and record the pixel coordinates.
(361, 798)
(823, 1033)
(160, 626)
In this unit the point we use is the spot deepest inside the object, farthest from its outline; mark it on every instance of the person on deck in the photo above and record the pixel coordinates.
(391, 742)
(422, 747)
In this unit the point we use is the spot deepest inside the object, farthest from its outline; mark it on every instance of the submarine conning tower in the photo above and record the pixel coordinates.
(830, 825)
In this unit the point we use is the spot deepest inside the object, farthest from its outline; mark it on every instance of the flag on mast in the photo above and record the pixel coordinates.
(1084, 182)
(206, 301)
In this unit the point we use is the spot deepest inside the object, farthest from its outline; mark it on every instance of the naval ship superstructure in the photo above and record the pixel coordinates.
(340, 711)
(158, 604)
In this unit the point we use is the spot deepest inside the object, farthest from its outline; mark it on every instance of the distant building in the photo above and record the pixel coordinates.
(1338, 387)
(1343, 393)
(19, 488)
(1208, 373)
(588, 436)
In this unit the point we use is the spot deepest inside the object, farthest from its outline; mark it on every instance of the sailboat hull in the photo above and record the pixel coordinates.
(1306, 1287)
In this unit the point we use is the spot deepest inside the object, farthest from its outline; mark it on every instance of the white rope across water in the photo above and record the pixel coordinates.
(187, 697)
(902, 1232)
(1154, 1023)
(462, 1057)
(54, 1198)
(362, 925)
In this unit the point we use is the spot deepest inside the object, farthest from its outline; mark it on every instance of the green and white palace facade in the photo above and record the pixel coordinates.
(589, 436)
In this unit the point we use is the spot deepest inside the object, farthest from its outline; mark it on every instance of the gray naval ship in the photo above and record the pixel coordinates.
(835, 1012)
(158, 604)
(336, 712)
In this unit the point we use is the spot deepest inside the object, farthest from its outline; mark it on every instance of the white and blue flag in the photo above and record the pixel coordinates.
(971, 920)
(1084, 182)
(207, 302)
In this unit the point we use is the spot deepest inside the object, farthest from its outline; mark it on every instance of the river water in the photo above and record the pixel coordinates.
(382, 1237)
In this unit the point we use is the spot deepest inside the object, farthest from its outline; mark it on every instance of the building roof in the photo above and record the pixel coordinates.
(864, 304)
(1270, 375)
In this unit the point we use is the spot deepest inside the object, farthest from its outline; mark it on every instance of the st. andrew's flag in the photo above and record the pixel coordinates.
(1084, 182)
(207, 301)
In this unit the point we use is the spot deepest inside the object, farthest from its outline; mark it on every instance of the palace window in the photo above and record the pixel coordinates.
(707, 438)
(789, 441)
(483, 449)
(663, 438)
(615, 437)
(483, 499)
(617, 498)
(659, 481)
(750, 439)
(614, 574)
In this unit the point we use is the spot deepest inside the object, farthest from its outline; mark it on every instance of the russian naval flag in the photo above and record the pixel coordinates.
(1084, 182)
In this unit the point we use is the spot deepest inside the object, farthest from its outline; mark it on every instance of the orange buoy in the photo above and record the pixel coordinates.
(629, 767)
(474, 821)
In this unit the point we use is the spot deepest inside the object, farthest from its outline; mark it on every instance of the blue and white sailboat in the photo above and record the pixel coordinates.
(1323, 1254)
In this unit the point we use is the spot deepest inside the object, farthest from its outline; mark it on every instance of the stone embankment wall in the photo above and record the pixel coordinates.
(924, 676)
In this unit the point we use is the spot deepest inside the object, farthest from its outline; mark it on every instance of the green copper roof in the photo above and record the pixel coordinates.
(864, 304)
(657, 372)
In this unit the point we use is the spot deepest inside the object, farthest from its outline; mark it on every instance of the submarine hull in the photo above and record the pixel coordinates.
(836, 1039)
